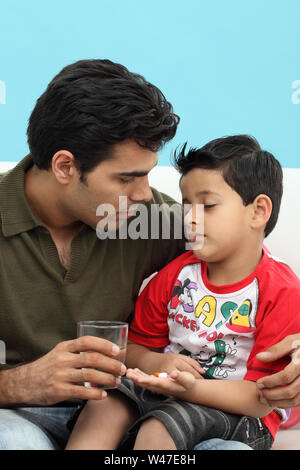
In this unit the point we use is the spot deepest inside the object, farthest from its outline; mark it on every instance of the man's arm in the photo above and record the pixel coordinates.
(57, 376)
(232, 396)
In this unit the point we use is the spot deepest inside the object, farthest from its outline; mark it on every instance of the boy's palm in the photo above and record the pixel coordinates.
(173, 385)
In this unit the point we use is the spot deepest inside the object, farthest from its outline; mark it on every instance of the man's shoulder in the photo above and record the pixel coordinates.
(3, 175)
(161, 198)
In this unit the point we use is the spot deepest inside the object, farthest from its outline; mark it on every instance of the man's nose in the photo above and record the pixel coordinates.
(142, 191)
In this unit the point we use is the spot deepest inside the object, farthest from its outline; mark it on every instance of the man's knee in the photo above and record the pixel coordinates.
(17, 433)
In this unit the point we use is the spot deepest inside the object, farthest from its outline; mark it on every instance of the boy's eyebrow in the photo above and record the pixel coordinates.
(207, 192)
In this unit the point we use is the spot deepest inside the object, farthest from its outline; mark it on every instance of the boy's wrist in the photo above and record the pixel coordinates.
(141, 357)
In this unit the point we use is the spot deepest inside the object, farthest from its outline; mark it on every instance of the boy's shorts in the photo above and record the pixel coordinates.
(190, 423)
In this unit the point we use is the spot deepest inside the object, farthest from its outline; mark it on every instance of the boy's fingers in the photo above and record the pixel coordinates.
(194, 364)
(185, 379)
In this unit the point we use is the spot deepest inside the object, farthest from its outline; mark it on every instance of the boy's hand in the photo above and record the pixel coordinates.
(181, 363)
(173, 385)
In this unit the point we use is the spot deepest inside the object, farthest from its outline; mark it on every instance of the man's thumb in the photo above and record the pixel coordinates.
(281, 349)
(284, 348)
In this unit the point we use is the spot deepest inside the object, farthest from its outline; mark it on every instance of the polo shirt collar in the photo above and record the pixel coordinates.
(16, 214)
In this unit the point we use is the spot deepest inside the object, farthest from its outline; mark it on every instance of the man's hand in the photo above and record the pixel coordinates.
(57, 376)
(173, 385)
(282, 390)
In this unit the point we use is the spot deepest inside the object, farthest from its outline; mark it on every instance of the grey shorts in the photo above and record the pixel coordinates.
(190, 423)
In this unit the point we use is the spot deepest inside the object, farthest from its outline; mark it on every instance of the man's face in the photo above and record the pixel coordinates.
(124, 174)
(226, 218)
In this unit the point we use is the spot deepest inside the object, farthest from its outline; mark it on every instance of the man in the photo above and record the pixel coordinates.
(93, 137)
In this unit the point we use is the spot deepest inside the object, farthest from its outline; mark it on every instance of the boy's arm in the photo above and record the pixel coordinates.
(151, 360)
(143, 357)
(232, 396)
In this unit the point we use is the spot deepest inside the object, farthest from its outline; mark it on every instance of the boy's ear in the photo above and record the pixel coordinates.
(261, 211)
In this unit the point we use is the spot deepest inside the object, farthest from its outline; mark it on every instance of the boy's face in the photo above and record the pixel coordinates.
(226, 219)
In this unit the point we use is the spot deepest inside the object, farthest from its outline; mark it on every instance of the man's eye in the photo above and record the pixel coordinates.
(126, 181)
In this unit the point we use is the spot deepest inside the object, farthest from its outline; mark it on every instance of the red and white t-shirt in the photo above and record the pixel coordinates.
(223, 327)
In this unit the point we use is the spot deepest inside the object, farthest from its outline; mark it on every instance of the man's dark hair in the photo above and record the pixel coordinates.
(92, 105)
(245, 167)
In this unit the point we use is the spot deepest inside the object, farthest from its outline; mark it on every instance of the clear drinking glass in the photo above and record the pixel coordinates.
(114, 331)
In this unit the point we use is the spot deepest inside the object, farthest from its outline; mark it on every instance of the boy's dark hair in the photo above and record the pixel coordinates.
(247, 168)
(92, 105)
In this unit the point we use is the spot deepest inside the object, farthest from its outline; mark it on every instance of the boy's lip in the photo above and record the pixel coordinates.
(198, 237)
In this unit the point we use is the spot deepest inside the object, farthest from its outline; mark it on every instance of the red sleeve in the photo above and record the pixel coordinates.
(150, 323)
(275, 320)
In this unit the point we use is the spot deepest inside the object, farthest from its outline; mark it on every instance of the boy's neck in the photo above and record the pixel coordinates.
(234, 269)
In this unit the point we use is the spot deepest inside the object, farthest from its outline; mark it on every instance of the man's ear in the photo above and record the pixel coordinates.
(63, 166)
(261, 211)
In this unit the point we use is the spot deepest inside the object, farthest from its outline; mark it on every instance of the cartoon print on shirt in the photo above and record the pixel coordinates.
(239, 321)
(181, 295)
(211, 327)
(212, 362)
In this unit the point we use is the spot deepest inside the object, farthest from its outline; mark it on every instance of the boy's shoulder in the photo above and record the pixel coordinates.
(279, 275)
(166, 277)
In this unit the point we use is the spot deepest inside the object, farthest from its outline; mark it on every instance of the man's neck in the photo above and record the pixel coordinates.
(41, 195)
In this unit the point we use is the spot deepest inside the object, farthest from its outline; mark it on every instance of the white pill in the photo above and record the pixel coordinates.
(163, 375)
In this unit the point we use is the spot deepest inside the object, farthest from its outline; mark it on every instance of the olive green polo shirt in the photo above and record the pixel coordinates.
(41, 302)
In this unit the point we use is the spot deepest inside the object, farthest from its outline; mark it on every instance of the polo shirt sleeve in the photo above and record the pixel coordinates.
(275, 321)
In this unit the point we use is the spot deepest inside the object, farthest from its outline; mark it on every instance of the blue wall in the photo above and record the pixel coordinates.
(228, 66)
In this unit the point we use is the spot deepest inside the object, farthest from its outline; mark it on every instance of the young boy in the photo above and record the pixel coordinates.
(206, 315)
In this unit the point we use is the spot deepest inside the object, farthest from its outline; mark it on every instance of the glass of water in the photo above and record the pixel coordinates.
(114, 331)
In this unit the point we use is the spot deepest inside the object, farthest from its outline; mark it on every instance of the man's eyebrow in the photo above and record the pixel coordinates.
(133, 173)
(137, 174)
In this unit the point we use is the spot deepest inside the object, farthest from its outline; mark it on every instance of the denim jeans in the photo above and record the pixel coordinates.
(45, 428)
(221, 444)
(36, 428)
